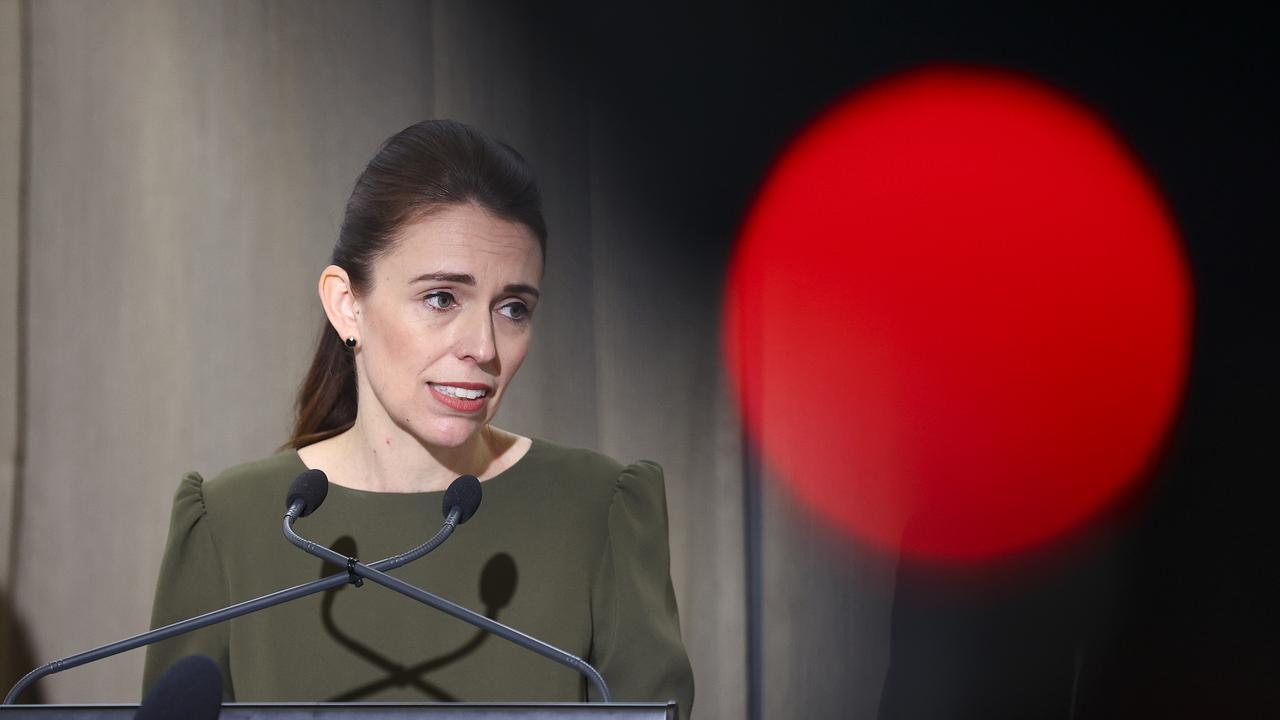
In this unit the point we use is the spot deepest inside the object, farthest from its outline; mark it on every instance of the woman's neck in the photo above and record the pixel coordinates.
(365, 458)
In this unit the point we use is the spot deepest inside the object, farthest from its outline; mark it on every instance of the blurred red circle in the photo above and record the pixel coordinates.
(957, 321)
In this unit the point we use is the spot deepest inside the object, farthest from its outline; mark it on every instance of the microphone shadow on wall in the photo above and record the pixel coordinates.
(16, 654)
(497, 586)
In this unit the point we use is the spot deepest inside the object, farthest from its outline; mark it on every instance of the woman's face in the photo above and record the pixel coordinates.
(447, 322)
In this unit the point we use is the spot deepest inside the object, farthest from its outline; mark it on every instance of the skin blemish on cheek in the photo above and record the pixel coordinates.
(388, 441)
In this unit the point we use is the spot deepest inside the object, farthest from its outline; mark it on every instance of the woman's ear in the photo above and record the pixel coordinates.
(339, 302)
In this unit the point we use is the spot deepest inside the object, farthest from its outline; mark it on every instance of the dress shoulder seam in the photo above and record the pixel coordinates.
(213, 539)
(606, 558)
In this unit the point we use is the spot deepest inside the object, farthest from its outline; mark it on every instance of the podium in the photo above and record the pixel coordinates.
(370, 711)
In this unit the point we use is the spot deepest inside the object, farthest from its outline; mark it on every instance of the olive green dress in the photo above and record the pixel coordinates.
(567, 546)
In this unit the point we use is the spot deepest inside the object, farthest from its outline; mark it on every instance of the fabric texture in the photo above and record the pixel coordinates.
(567, 546)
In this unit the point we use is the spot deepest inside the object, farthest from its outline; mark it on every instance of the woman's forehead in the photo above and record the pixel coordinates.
(465, 238)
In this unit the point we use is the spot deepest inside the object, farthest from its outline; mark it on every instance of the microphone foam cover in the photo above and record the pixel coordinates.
(465, 494)
(311, 487)
(190, 688)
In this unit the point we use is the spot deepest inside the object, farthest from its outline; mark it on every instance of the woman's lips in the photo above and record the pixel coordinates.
(448, 395)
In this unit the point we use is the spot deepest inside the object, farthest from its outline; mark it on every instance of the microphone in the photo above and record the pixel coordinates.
(190, 688)
(306, 493)
(464, 494)
(469, 491)
(309, 489)
(303, 498)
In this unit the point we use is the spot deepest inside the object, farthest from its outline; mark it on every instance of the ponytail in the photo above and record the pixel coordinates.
(326, 404)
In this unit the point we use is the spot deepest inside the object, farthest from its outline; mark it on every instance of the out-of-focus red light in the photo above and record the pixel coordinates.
(957, 320)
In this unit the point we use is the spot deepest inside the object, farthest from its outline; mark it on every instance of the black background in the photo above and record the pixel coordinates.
(1168, 606)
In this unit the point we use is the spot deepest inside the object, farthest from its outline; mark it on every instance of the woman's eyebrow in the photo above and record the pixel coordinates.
(522, 288)
(466, 279)
(445, 276)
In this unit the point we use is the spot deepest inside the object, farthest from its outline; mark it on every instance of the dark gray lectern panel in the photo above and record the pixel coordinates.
(369, 711)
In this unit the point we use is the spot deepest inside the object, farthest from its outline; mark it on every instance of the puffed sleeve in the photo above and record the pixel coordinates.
(191, 582)
(636, 641)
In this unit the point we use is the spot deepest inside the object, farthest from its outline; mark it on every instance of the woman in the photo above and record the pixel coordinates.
(430, 303)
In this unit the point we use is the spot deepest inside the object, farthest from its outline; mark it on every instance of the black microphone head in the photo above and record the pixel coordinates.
(310, 487)
(190, 688)
(463, 493)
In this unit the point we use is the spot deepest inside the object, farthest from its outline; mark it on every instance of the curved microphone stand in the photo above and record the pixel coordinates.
(212, 618)
(369, 572)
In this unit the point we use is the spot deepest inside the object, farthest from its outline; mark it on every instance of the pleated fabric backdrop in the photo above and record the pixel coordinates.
(183, 169)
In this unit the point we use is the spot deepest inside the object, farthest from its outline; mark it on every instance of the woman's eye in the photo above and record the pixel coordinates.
(515, 310)
(441, 300)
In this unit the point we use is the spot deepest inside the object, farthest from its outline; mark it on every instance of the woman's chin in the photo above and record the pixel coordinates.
(450, 432)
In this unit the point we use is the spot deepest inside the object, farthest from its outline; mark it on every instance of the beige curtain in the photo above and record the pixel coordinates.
(14, 648)
(184, 166)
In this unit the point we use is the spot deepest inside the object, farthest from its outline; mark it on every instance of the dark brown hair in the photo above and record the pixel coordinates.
(417, 171)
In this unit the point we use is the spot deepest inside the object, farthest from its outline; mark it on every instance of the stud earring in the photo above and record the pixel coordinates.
(351, 342)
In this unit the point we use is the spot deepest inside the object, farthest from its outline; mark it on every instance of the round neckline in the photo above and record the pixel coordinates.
(535, 444)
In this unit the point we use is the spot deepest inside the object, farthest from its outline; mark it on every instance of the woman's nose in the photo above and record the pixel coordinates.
(475, 338)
